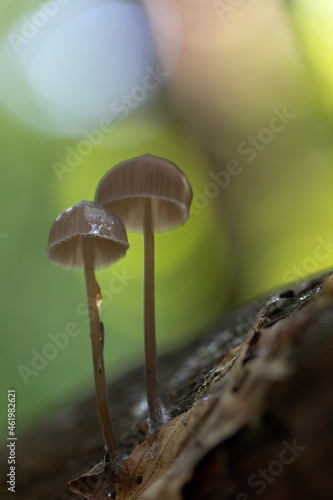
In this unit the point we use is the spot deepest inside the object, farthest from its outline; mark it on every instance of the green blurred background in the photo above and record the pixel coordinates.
(261, 214)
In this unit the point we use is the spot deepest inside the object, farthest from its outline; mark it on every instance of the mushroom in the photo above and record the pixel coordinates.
(150, 194)
(88, 237)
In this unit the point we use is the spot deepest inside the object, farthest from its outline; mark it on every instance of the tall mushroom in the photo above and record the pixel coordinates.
(88, 237)
(150, 194)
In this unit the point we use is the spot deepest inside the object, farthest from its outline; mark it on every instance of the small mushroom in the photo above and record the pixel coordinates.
(150, 194)
(88, 237)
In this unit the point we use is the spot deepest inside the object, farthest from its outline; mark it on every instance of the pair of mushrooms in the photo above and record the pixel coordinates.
(146, 194)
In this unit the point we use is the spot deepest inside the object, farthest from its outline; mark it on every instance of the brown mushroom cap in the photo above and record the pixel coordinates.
(86, 221)
(124, 188)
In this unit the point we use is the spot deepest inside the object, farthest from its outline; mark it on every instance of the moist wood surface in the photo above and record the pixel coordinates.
(297, 410)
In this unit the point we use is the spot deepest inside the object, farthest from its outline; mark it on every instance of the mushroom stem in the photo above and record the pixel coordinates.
(153, 397)
(96, 334)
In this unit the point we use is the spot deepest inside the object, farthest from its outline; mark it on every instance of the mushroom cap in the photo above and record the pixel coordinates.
(79, 224)
(124, 188)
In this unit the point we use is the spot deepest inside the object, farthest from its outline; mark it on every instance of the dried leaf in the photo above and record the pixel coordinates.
(225, 419)
(233, 397)
(155, 455)
(100, 481)
(162, 464)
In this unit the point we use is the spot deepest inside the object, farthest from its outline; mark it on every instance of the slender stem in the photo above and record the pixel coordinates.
(96, 334)
(153, 396)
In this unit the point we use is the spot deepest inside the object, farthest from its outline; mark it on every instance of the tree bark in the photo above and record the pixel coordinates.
(285, 452)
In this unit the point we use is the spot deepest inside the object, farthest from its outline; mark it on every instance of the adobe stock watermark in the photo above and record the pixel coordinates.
(40, 359)
(223, 8)
(262, 478)
(212, 189)
(94, 482)
(277, 124)
(249, 148)
(116, 285)
(243, 324)
(30, 26)
(322, 252)
(57, 342)
(122, 106)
